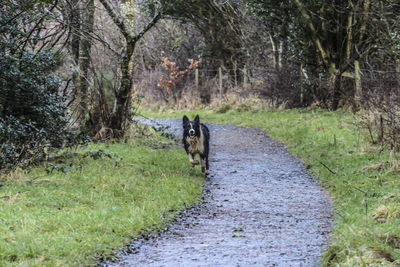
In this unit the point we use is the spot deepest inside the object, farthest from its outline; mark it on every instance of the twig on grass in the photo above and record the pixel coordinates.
(327, 168)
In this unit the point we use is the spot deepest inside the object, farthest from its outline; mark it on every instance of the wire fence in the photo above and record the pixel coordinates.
(245, 76)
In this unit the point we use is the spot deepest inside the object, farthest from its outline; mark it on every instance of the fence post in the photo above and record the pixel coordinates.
(235, 72)
(220, 80)
(245, 77)
(357, 77)
(303, 76)
(196, 77)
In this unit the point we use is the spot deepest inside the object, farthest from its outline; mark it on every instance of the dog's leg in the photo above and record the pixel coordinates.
(192, 161)
(207, 166)
(203, 164)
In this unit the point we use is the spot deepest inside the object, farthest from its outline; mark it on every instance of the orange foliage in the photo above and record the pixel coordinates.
(175, 74)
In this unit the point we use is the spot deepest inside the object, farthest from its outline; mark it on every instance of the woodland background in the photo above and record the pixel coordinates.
(75, 70)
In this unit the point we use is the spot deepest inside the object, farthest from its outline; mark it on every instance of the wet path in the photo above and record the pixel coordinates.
(261, 208)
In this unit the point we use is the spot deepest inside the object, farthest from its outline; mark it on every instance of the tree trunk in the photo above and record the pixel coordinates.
(124, 94)
(75, 25)
(357, 72)
(275, 52)
(84, 59)
(75, 30)
(283, 54)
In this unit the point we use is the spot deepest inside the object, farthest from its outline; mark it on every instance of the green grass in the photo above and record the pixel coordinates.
(366, 198)
(81, 216)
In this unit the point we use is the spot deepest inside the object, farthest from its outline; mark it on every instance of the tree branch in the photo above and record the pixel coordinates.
(36, 26)
(149, 25)
(118, 20)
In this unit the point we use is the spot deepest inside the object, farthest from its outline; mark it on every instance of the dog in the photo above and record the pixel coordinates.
(196, 140)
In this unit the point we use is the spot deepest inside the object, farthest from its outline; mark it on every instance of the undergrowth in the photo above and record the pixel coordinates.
(81, 206)
(362, 179)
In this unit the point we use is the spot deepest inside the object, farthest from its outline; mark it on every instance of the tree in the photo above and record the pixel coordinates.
(276, 16)
(339, 34)
(343, 34)
(123, 94)
(217, 21)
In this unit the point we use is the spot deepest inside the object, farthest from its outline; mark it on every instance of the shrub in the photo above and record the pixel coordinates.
(33, 115)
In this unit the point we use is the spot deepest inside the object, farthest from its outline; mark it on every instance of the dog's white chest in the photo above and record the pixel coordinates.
(195, 144)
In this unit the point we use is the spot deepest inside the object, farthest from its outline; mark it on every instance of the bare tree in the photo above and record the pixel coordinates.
(123, 93)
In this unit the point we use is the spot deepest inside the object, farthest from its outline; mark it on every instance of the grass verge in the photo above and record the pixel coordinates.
(362, 180)
(80, 207)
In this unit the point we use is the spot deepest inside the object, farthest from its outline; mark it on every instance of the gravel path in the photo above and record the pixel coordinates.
(260, 208)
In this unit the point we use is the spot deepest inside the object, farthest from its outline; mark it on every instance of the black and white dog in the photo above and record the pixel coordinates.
(196, 139)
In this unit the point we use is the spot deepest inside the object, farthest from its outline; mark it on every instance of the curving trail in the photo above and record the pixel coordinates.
(261, 208)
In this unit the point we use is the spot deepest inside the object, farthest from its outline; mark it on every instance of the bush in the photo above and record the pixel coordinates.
(33, 116)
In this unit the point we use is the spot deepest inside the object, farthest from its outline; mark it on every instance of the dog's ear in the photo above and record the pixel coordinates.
(197, 119)
(185, 119)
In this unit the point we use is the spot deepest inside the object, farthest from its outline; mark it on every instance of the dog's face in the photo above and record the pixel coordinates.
(191, 128)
